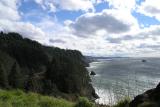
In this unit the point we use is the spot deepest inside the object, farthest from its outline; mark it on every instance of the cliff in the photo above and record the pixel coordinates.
(30, 66)
(150, 98)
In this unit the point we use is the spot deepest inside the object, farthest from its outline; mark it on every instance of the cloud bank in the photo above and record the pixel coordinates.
(114, 31)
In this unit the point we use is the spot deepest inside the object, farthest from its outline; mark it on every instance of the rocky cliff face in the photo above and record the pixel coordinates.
(42, 69)
(150, 98)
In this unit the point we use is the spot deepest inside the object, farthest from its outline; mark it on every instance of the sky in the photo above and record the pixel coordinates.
(129, 28)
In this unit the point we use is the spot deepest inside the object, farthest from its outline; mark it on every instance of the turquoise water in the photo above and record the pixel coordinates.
(124, 77)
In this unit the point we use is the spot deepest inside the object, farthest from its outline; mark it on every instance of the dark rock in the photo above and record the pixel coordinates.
(95, 95)
(139, 100)
(92, 73)
(144, 60)
(150, 96)
(91, 93)
(158, 86)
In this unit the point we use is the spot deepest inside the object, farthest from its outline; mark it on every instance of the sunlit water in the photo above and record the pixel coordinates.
(117, 78)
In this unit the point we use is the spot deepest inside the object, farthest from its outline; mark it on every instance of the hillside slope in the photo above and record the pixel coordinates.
(17, 98)
(28, 65)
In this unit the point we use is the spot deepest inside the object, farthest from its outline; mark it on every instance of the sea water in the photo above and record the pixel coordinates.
(117, 78)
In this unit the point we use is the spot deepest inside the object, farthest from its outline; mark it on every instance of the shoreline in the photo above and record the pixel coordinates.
(122, 88)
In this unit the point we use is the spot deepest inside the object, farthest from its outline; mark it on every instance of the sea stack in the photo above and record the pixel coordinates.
(92, 73)
(143, 60)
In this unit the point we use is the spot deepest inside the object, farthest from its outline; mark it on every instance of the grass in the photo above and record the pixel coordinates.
(123, 103)
(17, 98)
(84, 102)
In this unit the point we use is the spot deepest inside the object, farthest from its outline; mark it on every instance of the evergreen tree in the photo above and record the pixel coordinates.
(15, 77)
(1, 33)
(30, 83)
(63, 70)
(3, 78)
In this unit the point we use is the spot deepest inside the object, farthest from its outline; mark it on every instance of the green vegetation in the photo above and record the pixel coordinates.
(83, 102)
(3, 77)
(123, 103)
(15, 77)
(18, 98)
(30, 66)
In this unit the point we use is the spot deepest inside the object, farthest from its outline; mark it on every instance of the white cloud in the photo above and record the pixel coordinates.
(9, 10)
(26, 29)
(150, 8)
(105, 23)
(49, 5)
(84, 5)
(71, 5)
(10, 21)
(111, 32)
(122, 4)
(145, 43)
(152, 33)
(39, 1)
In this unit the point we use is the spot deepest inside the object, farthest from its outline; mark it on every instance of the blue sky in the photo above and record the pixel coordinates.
(95, 27)
(62, 15)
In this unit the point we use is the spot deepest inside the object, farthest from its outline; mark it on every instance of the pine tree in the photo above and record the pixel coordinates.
(15, 77)
(1, 33)
(3, 78)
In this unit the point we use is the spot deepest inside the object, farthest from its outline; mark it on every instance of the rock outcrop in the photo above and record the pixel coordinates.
(144, 60)
(150, 98)
(92, 73)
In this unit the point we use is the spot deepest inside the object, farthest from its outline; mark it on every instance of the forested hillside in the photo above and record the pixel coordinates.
(30, 66)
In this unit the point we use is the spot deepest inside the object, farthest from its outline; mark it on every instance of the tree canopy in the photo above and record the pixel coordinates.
(28, 65)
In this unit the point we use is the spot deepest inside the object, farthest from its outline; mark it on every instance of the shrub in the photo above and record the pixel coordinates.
(84, 102)
(123, 103)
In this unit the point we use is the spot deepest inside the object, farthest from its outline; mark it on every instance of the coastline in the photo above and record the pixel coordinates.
(99, 92)
(121, 82)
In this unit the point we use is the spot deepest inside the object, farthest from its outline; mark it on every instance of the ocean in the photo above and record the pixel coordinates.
(117, 78)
